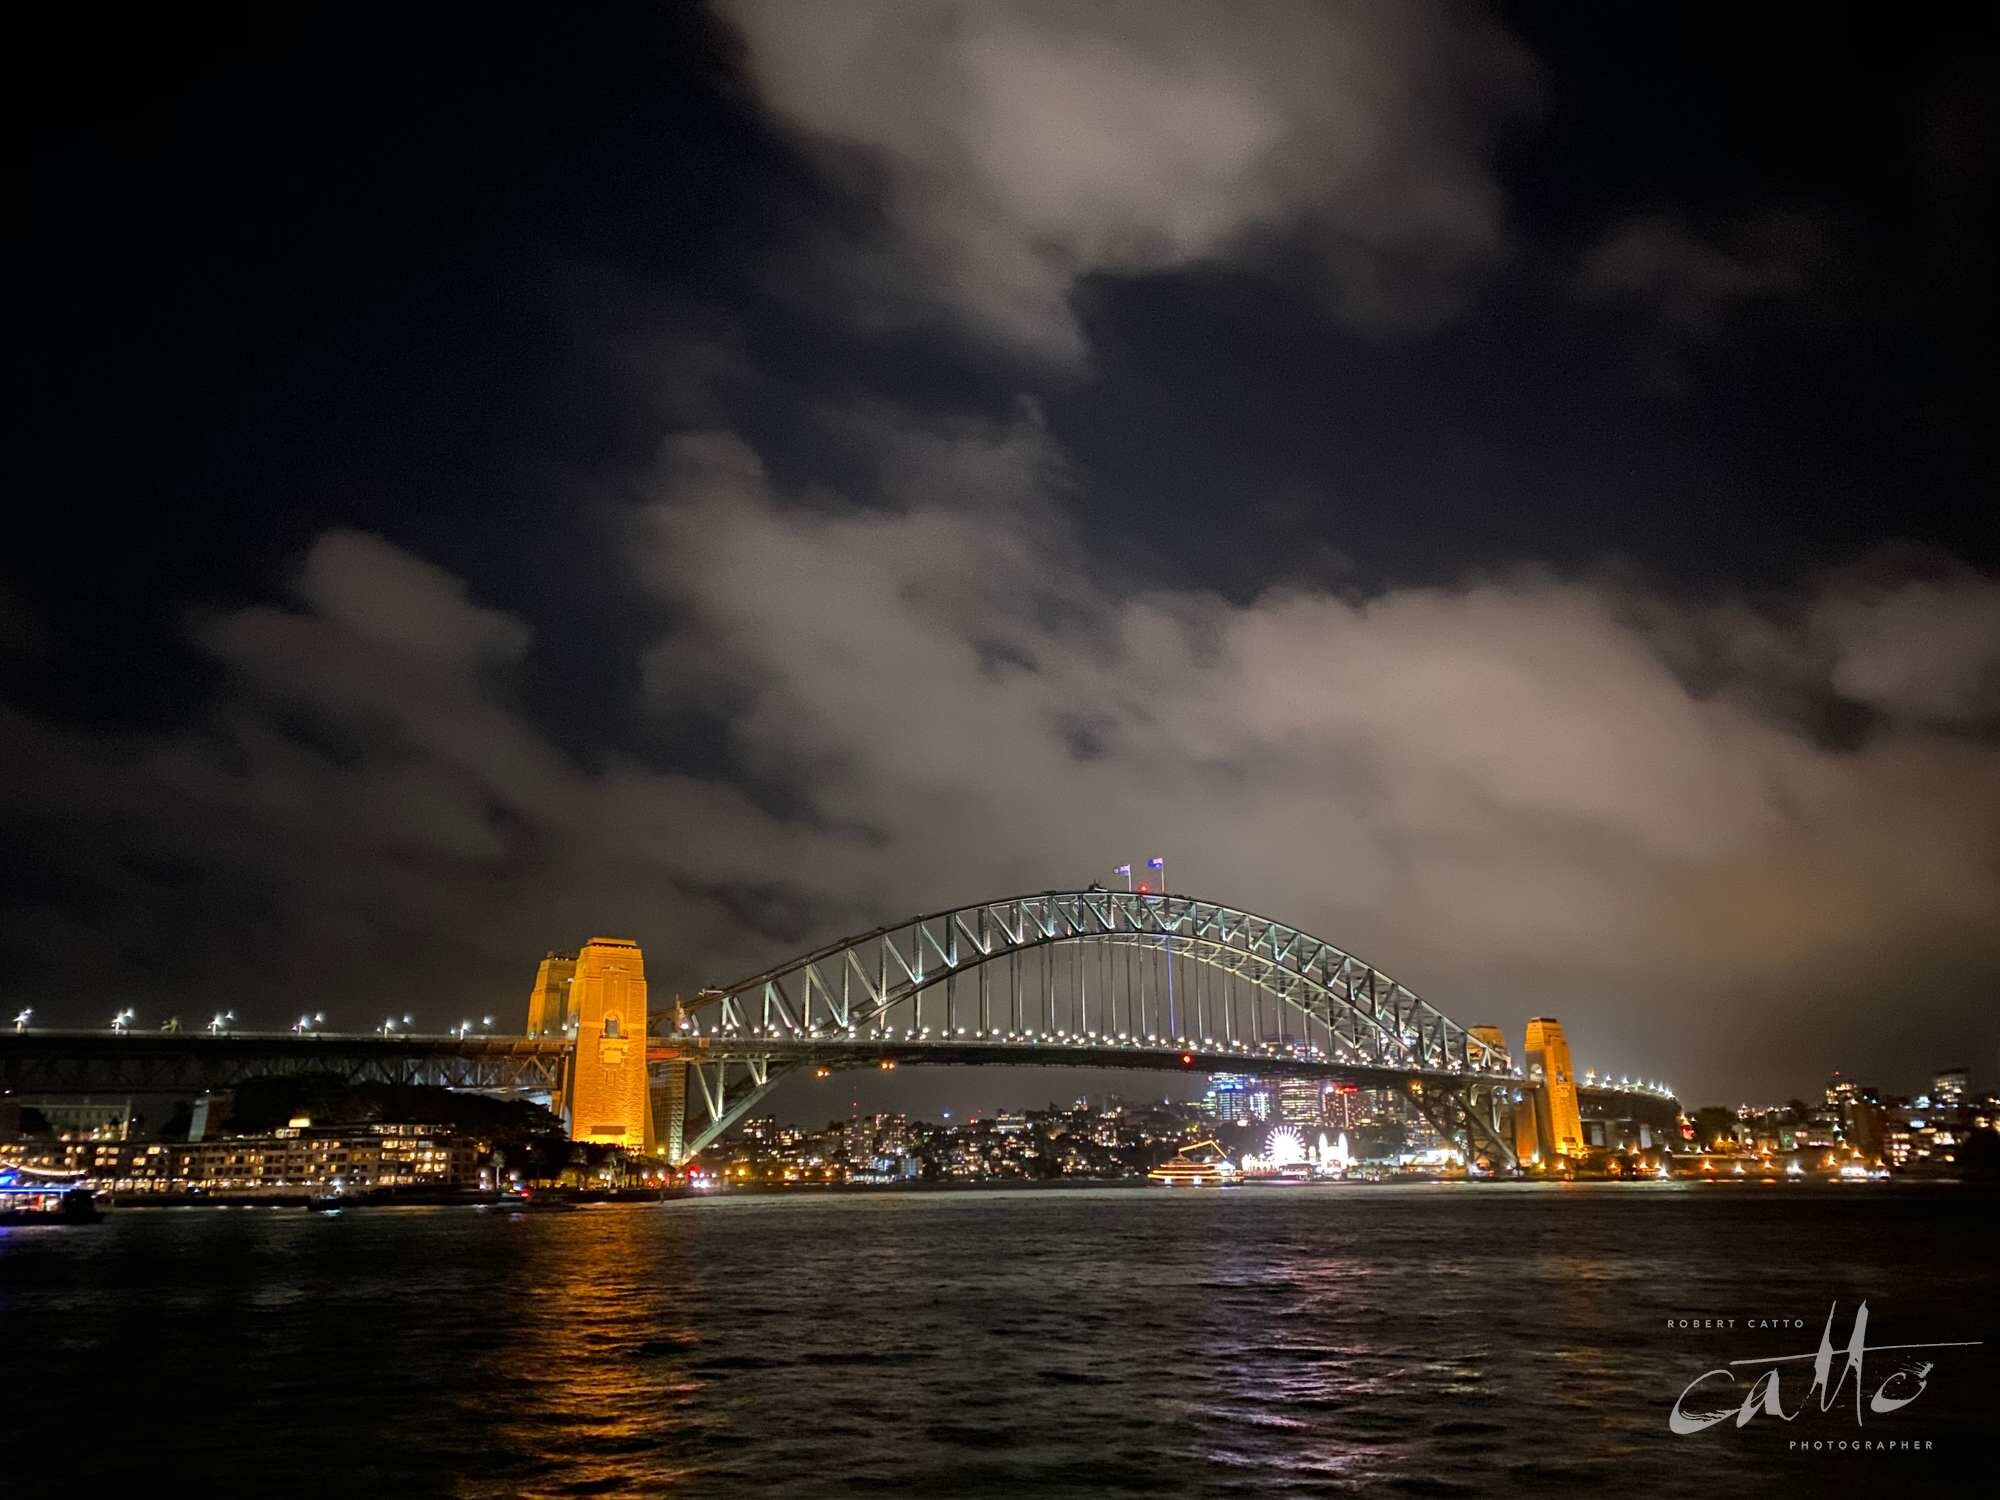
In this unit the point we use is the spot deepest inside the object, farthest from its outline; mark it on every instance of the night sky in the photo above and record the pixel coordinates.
(1509, 491)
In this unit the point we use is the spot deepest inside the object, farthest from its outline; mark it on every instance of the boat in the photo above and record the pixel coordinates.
(545, 1203)
(37, 1195)
(1204, 1164)
(527, 1200)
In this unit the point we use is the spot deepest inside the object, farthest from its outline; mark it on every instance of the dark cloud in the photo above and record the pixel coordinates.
(1502, 791)
(846, 460)
(1691, 280)
(1022, 145)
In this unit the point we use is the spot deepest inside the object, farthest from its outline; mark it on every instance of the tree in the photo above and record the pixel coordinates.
(1712, 1123)
(1979, 1154)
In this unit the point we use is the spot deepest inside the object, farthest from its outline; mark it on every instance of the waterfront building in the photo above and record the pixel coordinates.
(299, 1157)
(83, 1119)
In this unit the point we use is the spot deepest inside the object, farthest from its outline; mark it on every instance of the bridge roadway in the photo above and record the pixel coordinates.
(835, 1051)
(45, 1060)
(724, 1074)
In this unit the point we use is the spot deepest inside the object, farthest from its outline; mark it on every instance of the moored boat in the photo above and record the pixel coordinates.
(1204, 1164)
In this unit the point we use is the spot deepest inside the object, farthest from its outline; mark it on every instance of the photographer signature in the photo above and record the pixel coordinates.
(1906, 1380)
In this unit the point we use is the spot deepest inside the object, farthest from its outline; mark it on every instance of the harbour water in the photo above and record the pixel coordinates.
(1421, 1340)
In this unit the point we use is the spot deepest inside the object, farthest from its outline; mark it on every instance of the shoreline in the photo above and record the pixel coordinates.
(295, 1202)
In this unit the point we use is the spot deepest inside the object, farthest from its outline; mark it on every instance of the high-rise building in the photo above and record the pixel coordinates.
(1345, 1106)
(1950, 1086)
(1241, 1098)
(1299, 1102)
(1856, 1117)
(1227, 1098)
(1558, 1113)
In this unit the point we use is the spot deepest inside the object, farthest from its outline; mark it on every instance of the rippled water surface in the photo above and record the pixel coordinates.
(1434, 1340)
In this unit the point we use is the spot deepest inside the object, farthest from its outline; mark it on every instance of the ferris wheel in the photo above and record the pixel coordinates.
(1284, 1147)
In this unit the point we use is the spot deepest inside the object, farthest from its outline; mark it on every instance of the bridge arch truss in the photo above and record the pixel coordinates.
(1030, 978)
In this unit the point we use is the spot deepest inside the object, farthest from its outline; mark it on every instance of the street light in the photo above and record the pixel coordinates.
(21, 1021)
(123, 1020)
(305, 1024)
(221, 1022)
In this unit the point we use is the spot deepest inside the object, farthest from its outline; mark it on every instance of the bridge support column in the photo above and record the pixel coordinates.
(1469, 1115)
(607, 1093)
(1558, 1118)
(666, 1103)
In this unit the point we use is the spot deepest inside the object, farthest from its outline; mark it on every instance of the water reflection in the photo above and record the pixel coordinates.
(1291, 1342)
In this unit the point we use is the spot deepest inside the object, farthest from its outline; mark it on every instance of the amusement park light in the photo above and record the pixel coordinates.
(1285, 1147)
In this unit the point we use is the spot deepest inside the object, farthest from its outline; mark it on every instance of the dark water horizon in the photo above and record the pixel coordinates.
(1435, 1339)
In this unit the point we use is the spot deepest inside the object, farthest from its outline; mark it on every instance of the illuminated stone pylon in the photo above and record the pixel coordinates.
(1558, 1116)
(549, 1008)
(606, 1099)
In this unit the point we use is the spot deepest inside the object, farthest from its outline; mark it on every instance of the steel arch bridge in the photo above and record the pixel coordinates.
(1091, 978)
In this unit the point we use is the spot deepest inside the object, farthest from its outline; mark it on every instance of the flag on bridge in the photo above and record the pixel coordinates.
(1156, 864)
(1122, 870)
